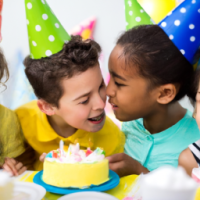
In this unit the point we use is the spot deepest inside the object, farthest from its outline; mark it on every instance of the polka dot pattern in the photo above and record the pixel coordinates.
(192, 38)
(135, 14)
(34, 43)
(183, 28)
(48, 53)
(177, 22)
(129, 3)
(43, 29)
(191, 26)
(182, 51)
(31, 55)
(183, 10)
(57, 25)
(44, 16)
(137, 19)
(164, 24)
(171, 37)
(38, 28)
(51, 38)
(29, 5)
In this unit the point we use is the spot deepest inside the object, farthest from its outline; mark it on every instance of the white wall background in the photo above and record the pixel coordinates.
(110, 23)
(109, 13)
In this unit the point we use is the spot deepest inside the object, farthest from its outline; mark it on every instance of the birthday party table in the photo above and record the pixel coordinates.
(121, 191)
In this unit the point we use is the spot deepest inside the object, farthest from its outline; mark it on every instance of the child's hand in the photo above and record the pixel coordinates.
(42, 157)
(13, 166)
(124, 165)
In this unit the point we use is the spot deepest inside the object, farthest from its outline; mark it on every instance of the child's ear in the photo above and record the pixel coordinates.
(167, 93)
(45, 107)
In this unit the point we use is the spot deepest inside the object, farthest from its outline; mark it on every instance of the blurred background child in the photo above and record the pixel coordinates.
(190, 157)
(12, 142)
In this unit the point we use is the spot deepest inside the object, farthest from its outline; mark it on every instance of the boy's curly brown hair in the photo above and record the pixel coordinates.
(4, 72)
(46, 74)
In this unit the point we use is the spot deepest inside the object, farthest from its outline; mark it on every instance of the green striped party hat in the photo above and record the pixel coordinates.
(46, 34)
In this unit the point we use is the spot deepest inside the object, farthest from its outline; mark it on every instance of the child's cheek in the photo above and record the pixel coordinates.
(82, 114)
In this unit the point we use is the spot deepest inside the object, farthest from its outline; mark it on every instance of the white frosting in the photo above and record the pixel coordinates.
(75, 155)
(169, 178)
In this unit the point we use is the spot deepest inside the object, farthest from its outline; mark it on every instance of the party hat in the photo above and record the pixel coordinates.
(21, 89)
(183, 27)
(84, 29)
(46, 34)
(135, 14)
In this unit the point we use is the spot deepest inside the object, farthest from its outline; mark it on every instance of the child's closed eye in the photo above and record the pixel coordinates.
(119, 84)
(85, 102)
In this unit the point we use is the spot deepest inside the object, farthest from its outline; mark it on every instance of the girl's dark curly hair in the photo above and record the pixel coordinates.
(45, 74)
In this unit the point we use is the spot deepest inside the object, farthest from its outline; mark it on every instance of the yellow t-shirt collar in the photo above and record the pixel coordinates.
(48, 133)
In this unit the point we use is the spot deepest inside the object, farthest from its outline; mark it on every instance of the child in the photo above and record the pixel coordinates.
(12, 143)
(71, 103)
(190, 157)
(67, 80)
(148, 77)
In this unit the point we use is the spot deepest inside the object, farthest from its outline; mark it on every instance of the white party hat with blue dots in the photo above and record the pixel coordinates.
(46, 34)
(182, 26)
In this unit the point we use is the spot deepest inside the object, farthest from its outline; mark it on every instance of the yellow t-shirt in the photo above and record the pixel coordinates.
(11, 136)
(42, 137)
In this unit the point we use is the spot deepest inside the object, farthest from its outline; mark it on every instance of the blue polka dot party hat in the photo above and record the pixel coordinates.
(46, 34)
(135, 14)
(182, 26)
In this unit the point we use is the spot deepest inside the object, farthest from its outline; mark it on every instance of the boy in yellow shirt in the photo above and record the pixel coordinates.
(70, 90)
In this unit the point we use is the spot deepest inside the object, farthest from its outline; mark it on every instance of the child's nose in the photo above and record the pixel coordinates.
(109, 90)
(100, 103)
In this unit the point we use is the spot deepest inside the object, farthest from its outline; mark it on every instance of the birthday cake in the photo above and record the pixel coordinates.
(75, 167)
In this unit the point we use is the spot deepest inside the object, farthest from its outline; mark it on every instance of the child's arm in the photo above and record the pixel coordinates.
(187, 161)
(13, 166)
(13, 144)
(27, 158)
(124, 165)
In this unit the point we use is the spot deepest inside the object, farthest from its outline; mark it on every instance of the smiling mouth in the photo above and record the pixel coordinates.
(112, 104)
(98, 118)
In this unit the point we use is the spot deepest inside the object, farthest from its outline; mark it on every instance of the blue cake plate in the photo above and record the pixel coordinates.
(111, 183)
